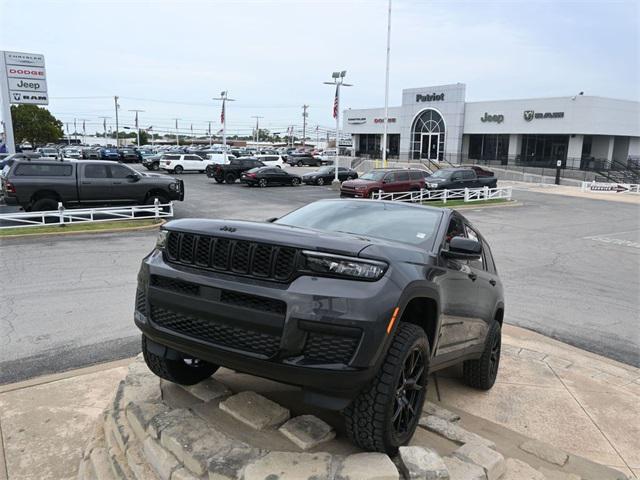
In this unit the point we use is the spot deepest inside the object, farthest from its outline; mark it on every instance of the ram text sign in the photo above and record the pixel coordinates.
(26, 78)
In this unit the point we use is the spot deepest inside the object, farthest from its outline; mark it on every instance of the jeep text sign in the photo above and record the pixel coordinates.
(26, 78)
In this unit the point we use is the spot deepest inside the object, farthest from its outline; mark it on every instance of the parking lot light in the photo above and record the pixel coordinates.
(338, 81)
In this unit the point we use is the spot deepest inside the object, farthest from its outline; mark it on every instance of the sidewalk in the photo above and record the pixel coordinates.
(574, 400)
(573, 191)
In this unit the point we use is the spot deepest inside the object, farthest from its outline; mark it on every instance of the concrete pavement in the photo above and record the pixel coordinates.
(573, 400)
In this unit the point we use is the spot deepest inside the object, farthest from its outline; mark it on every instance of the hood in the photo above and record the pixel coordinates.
(157, 178)
(359, 182)
(273, 233)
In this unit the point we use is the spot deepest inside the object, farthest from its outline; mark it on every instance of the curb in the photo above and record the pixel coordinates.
(78, 232)
(512, 203)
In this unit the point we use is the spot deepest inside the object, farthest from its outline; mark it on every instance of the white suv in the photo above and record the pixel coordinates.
(178, 163)
(271, 160)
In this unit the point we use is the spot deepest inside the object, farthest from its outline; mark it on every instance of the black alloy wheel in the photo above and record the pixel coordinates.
(262, 182)
(408, 392)
(295, 181)
(300, 163)
(320, 181)
(482, 373)
(155, 166)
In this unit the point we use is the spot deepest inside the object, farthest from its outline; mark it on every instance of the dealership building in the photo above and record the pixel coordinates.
(437, 123)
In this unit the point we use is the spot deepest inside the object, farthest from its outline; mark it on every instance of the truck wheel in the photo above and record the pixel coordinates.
(178, 170)
(155, 166)
(44, 204)
(230, 178)
(184, 371)
(482, 373)
(300, 163)
(385, 414)
(218, 179)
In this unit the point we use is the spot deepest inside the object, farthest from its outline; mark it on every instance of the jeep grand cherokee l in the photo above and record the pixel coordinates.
(356, 301)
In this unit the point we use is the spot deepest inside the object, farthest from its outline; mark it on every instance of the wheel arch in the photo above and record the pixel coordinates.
(156, 191)
(45, 193)
(499, 315)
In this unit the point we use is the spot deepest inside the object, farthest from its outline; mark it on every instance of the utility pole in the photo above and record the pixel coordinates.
(177, 135)
(386, 92)
(304, 124)
(68, 136)
(209, 134)
(257, 135)
(75, 130)
(104, 127)
(84, 130)
(338, 81)
(223, 117)
(317, 136)
(137, 127)
(117, 133)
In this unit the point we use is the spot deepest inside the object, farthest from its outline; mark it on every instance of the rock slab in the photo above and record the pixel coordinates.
(491, 461)
(290, 466)
(367, 466)
(208, 390)
(255, 410)
(452, 431)
(307, 431)
(461, 470)
(422, 463)
(545, 452)
(431, 408)
(518, 470)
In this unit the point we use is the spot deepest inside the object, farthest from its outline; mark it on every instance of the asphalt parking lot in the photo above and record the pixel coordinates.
(569, 266)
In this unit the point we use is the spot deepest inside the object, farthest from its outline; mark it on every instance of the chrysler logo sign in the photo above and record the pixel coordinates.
(492, 118)
(356, 121)
(530, 115)
(433, 97)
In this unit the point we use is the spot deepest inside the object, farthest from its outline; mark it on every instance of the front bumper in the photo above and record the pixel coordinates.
(324, 334)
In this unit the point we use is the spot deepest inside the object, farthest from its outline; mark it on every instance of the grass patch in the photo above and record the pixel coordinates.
(78, 227)
(459, 202)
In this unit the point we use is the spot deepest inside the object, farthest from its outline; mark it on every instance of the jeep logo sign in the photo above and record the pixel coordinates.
(492, 118)
(433, 97)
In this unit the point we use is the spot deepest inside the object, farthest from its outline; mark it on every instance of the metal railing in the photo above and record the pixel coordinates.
(63, 216)
(465, 194)
(610, 187)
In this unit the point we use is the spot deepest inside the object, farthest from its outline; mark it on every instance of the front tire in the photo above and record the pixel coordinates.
(295, 182)
(177, 371)
(385, 414)
(300, 164)
(482, 373)
(320, 181)
(230, 178)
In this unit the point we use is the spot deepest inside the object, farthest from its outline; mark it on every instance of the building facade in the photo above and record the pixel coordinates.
(436, 123)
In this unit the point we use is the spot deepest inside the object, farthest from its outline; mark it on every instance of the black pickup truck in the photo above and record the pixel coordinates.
(38, 185)
(232, 171)
(455, 178)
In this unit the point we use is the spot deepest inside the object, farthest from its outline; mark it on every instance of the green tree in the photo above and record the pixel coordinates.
(35, 124)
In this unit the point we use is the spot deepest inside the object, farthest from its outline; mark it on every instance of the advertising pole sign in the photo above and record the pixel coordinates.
(23, 80)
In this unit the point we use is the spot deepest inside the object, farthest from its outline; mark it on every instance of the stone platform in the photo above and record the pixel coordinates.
(222, 430)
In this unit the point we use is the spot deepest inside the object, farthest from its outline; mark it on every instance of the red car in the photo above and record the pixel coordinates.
(385, 180)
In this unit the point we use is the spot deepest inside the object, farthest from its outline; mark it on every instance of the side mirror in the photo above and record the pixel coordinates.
(463, 249)
(271, 220)
(134, 177)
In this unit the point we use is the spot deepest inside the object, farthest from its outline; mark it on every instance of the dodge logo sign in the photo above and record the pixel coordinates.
(528, 115)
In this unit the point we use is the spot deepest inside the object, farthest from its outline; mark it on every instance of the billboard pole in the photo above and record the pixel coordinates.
(6, 107)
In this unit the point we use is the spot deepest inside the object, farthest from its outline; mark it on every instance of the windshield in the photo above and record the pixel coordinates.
(441, 174)
(374, 175)
(397, 222)
(326, 169)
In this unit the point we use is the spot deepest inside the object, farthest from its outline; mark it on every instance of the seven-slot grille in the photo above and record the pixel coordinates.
(326, 348)
(240, 257)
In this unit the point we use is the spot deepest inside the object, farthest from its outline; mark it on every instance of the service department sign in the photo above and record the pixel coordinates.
(530, 115)
(26, 78)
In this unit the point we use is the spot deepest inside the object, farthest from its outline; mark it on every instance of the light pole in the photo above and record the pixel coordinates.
(104, 127)
(137, 127)
(386, 91)
(177, 135)
(304, 124)
(338, 81)
(257, 135)
(209, 134)
(223, 117)
(115, 99)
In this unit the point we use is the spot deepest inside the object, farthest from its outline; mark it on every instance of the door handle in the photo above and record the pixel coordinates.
(117, 183)
(473, 276)
(493, 282)
(86, 183)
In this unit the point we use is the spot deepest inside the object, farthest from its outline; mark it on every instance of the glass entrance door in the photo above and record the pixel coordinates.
(430, 146)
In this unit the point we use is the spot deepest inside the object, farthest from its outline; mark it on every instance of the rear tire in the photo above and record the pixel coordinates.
(44, 204)
(230, 178)
(299, 163)
(262, 182)
(155, 166)
(378, 419)
(178, 170)
(482, 373)
(295, 182)
(177, 371)
(218, 180)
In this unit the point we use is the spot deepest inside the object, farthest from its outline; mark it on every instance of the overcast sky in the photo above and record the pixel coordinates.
(170, 58)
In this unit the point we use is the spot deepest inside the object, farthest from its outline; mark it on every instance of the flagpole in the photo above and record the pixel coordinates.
(338, 81)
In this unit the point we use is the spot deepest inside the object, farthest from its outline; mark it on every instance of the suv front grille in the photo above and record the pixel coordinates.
(324, 348)
(259, 260)
(216, 333)
(141, 301)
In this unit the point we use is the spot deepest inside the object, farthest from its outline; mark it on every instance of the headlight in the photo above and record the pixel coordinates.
(432, 185)
(360, 188)
(355, 268)
(161, 241)
(174, 186)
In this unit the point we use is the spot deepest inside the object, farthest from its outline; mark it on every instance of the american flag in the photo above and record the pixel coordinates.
(335, 104)
(222, 113)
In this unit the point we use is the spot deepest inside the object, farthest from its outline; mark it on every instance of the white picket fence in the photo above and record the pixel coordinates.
(64, 216)
(466, 194)
(610, 187)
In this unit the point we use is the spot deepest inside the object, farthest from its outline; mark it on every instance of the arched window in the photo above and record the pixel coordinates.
(427, 136)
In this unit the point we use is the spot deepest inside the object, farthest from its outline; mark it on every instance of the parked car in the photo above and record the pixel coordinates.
(129, 155)
(271, 160)
(152, 162)
(327, 174)
(456, 178)
(357, 302)
(233, 170)
(91, 153)
(482, 172)
(40, 184)
(48, 152)
(266, 176)
(326, 157)
(145, 152)
(109, 154)
(383, 180)
(219, 158)
(301, 159)
(72, 152)
(186, 162)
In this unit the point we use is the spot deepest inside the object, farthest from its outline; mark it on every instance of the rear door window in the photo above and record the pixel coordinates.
(402, 176)
(43, 170)
(468, 175)
(97, 170)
